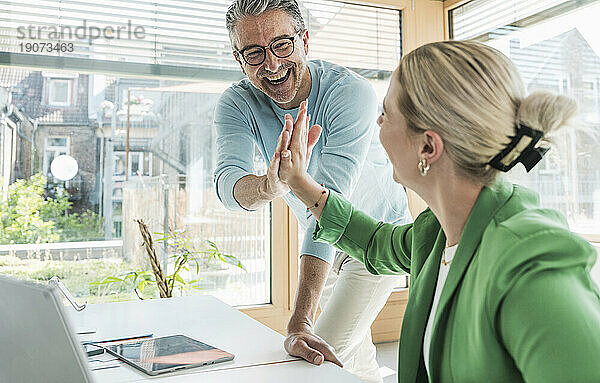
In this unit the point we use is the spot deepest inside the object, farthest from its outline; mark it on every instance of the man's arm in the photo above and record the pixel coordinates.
(342, 158)
(235, 187)
(301, 340)
(252, 191)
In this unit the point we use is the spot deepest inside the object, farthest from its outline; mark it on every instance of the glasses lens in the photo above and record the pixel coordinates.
(254, 56)
(283, 47)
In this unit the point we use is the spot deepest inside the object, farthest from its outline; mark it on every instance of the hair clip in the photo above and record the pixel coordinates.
(529, 157)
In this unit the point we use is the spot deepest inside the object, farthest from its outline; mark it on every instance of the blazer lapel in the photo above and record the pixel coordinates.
(490, 200)
(410, 358)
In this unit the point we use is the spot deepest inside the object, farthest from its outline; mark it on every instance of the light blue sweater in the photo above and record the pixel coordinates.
(348, 158)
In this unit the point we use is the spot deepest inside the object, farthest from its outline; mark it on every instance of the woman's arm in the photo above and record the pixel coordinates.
(383, 248)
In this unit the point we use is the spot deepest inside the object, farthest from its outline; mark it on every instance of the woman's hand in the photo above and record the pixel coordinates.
(298, 144)
(290, 162)
(275, 187)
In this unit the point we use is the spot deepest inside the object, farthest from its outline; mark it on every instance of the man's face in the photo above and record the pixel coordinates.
(278, 78)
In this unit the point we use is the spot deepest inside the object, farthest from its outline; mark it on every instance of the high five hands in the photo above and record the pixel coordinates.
(289, 167)
(289, 164)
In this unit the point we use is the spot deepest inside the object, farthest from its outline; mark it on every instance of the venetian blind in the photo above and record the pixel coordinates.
(180, 38)
(478, 17)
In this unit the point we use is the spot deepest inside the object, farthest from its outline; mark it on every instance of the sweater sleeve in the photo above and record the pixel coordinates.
(235, 149)
(549, 319)
(384, 248)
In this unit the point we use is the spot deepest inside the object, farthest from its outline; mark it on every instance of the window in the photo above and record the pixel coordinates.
(373, 48)
(59, 92)
(555, 46)
(141, 132)
(55, 146)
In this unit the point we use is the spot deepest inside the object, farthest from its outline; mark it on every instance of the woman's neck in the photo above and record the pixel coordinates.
(452, 200)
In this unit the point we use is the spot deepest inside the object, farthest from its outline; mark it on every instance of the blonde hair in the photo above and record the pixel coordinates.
(472, 96)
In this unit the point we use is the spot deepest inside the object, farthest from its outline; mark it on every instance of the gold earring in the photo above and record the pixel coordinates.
(423, 167)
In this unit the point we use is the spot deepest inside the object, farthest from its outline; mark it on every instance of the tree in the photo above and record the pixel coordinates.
(26, 216)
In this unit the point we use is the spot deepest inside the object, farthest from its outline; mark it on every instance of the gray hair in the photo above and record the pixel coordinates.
(241, 8)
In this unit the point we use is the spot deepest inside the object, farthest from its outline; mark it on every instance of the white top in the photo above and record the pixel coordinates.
(443, 274)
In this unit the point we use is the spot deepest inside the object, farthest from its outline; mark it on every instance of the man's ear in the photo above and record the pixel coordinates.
(237, 58)
(432, 146)
(305, 38)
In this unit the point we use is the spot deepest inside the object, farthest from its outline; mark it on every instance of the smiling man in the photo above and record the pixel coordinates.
(270, 42)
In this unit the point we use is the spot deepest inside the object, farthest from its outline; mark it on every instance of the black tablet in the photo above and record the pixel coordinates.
(166, 354)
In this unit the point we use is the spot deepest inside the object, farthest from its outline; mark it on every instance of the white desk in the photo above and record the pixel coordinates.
(255, 346)
(288, 372)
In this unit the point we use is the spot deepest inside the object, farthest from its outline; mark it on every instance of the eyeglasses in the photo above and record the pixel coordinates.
(282, 47)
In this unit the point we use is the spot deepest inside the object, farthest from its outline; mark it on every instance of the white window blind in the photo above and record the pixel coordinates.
(181, 38)
(355, 36)
(479, 17)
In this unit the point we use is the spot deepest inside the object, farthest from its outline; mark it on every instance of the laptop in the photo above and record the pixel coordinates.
(37, 342)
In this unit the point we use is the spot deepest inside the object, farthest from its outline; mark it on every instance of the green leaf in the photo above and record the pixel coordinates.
(111, 280)
(230, 259)
(179, 279)
(142, 284)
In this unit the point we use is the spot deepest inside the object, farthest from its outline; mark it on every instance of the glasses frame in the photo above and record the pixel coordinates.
(292, 39)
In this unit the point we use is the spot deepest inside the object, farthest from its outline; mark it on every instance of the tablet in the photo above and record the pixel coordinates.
(166, 354)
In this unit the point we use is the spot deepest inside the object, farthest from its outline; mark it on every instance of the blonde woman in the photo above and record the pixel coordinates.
(500, 290)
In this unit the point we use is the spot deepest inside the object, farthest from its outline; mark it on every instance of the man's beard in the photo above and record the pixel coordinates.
(286, 90)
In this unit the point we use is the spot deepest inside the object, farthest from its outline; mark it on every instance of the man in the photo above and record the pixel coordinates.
(270, 43)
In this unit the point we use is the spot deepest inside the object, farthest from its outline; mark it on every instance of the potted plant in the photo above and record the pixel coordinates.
(183, 253)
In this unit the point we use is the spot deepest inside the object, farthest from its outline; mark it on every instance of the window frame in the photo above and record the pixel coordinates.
(54, 148)
(422, 22)
(51, 83)
(450, 5)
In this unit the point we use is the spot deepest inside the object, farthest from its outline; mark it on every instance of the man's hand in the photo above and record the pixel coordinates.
(302, 342)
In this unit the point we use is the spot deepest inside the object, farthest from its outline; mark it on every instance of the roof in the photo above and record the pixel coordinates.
(27, 88)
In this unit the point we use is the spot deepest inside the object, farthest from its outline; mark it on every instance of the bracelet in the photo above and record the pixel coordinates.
(319, 201)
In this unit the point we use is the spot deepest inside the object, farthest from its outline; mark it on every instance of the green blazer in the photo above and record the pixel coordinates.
(518, 304)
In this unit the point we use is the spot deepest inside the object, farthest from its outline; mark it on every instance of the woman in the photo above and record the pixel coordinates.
(500, 288)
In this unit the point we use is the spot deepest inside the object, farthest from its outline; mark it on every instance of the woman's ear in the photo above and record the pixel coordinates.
(432, 146)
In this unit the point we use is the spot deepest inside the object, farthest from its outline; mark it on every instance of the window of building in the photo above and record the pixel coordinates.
(150, 100)
(55, 146)
(555, 46)
(59, 92)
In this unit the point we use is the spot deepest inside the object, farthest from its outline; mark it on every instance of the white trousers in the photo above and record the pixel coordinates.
(350, 302)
